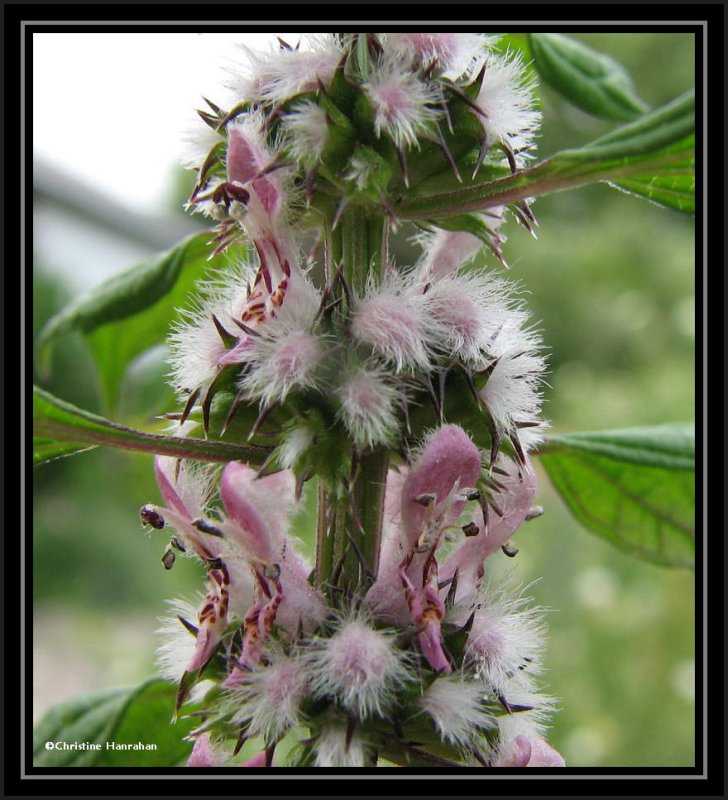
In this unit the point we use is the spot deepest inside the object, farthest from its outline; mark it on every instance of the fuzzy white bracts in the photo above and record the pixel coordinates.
(403, 105)
(456, 706)
(358, 666)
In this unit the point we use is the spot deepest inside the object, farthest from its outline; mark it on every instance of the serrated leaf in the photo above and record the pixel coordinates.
(121, 716)
(592, 81)
(633, 487)
(56, 420)
(131, 312)
(659, 145)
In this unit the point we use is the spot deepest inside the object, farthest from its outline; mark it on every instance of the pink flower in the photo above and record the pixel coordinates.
(184, 495)
(432, 497)
(204, 754)
(530, 751)
(513, 502)
(258, 510)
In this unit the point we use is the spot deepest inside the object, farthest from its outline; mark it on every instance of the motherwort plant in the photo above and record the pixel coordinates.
(403, 397)
(408, 393)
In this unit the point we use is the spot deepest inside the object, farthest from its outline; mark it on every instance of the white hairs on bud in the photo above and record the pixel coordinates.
(455, 54)
(284, 358)
(507, 97)
(521, 691)
(277, 75)
(177, 643)
(269, 700)
(506, 637)
(307, 131)
(295, 443)
(456, 707)
(198, 139)
(395, 321)
(332, 751)
(369, 406)
(358, 666)
(513, 390)
(195, 343)
(403, 104)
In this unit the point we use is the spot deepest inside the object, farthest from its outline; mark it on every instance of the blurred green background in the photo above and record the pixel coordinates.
(611, 280)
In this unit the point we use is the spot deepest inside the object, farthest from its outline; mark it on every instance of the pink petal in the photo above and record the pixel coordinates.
(529, 752)
(257, 761)
(543, 755)
(449, 456)
(162, 465)
(244, 160)
(431, 644)
(517, 754)
(202, 754)
(253, 505)
(515, 502)
(205, 646)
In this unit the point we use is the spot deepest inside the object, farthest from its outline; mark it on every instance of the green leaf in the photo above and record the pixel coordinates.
(131, 312)
(48, 450)
(591, 81)
(64, 423)
(660, 145)
(121, 716)
(634, 487)
(673, 191)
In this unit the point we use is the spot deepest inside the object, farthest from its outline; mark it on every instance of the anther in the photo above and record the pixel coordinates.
(151, 517)
(204, 526)
(509, 550)
(168, 559)
(426, 499)
(471, 529)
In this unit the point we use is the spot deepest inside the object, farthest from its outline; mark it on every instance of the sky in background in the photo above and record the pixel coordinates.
(112, 108)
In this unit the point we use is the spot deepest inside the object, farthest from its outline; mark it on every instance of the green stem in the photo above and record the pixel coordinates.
(364, 517)
(356, 251)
